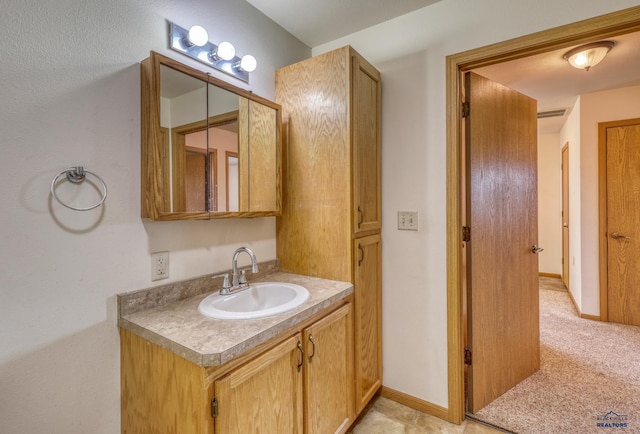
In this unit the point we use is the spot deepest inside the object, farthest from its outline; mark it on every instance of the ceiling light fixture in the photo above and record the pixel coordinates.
(195, 44)
(589, 55)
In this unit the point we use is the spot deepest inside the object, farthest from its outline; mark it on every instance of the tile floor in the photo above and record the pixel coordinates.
(390, 417)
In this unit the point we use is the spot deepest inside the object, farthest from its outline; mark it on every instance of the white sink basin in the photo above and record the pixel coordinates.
(260, 300)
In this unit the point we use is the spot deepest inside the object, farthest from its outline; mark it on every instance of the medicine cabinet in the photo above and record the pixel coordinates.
(209, 149)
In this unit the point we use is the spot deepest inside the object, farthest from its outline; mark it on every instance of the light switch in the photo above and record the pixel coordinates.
(408, 220)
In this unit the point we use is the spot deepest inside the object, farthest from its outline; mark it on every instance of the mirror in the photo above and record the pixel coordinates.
(209, 150)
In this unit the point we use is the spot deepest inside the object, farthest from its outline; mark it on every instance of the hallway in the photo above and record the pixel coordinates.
(588, 375)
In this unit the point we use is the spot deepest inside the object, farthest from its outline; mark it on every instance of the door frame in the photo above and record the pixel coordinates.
(566, 247)
(602, 205)
(609, 25)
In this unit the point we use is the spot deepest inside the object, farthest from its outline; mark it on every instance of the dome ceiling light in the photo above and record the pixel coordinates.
(589, 55)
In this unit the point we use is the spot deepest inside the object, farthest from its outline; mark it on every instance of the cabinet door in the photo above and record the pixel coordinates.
(368, 319)
(366, 146)
(329, 373)
(265, 395)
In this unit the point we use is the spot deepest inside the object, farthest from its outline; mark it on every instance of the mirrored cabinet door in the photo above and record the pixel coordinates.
(223, 140)
(183, 126)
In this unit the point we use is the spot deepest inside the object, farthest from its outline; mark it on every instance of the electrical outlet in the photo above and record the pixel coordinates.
(408, 220)
(159, 265)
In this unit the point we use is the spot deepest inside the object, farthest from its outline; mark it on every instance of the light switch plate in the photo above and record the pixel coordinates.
(159, 265)
(408, 220)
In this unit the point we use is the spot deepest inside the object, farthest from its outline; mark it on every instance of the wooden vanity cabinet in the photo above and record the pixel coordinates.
(303, 384)
(300, 384)
(328, 373)
(264, 395)
(332, 189)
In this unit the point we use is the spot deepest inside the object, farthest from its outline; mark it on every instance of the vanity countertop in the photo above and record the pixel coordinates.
(179, 327)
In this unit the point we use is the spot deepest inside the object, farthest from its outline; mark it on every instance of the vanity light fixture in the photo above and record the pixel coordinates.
(589, 55)
(247, 63)
(197, 36)
(195, 44)
(225, 51)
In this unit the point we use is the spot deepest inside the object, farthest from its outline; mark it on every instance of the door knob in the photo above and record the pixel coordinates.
(536, 249)
(619, 236)
(566, 225)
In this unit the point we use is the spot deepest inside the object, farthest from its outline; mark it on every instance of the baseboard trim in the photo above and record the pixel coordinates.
(580, 314)
(416, 403)
(558, 276)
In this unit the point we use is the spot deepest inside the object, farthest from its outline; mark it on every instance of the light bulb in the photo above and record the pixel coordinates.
(581, 59)
(225, 51)
(248, 63)
(198, 36)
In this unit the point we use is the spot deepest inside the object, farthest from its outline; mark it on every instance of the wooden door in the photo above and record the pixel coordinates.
(195, 181)
(566, 261)
(368, 319)
(366, 108)
(622, 220)
(328, 371)
(503, 323)
(265, 395)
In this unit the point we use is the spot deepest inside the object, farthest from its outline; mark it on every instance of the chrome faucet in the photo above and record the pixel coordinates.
(237, 280)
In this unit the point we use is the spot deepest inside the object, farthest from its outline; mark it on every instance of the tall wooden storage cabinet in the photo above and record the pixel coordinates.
(331, 214)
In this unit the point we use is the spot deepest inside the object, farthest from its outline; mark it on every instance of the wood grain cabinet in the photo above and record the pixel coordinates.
(332, 201)
(300, 384)
(304, 384)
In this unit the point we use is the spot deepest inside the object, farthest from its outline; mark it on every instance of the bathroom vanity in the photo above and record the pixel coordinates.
(314, 368)
(184, 372)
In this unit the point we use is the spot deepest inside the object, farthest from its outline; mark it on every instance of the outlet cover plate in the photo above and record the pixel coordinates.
(159, 265)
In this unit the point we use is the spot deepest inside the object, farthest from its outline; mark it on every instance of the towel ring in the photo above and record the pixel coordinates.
(77, 175)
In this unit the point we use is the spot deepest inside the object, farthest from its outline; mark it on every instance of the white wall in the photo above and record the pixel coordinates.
(570, 134)
(70, 95)
(605, 106)
(410, 52)
(550, 203)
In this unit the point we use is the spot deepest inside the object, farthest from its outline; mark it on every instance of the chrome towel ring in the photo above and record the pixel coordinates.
(77, 175)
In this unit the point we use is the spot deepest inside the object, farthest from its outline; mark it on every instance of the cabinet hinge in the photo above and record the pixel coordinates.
(466, 233)
(214, 407)
(467, 356)
(465, 109)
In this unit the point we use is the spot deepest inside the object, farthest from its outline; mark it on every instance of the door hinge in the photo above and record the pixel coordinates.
(465, 109)
(467, 356)
(466, 233)
(214, 408)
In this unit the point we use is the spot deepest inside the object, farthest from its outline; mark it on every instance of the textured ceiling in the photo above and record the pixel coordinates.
(315, 22)
(546, 77)
(549, 79)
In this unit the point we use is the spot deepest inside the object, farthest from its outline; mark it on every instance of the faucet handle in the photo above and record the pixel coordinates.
(243, 276)
(225, 283)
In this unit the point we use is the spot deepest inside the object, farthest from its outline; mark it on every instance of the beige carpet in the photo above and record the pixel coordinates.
(590, 375)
